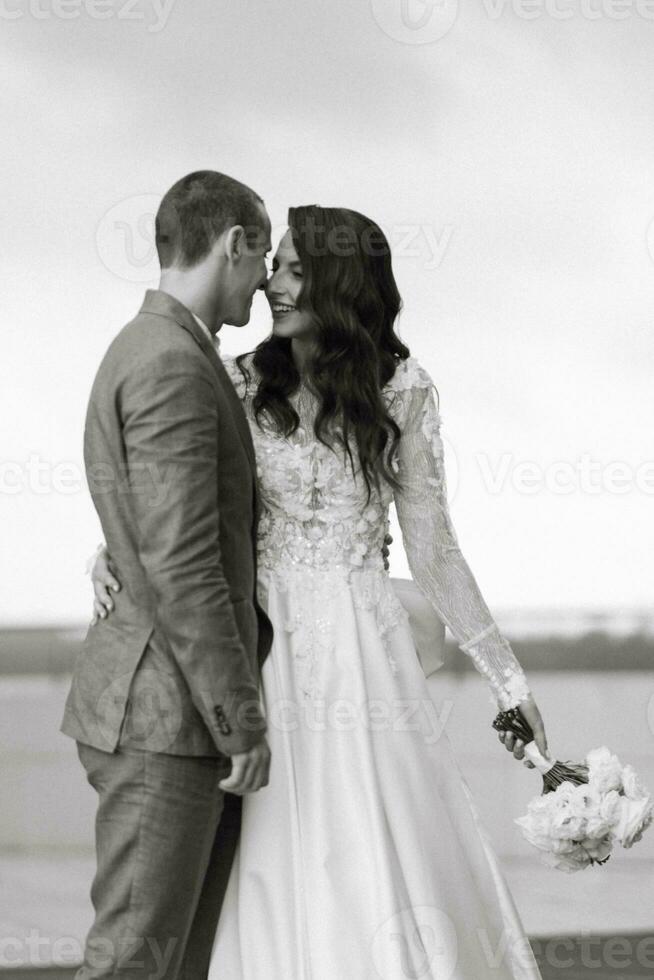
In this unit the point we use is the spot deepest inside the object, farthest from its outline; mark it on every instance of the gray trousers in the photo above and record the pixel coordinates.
(165, 840)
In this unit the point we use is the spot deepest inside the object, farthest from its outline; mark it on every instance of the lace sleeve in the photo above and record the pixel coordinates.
(434, 556)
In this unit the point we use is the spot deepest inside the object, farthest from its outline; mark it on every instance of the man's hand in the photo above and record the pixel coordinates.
(250, 770)
(529, 710)
(388, 540)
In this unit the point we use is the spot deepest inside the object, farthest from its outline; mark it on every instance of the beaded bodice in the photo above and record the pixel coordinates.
(315, 512)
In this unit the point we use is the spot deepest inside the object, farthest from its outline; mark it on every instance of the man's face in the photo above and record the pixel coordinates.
(249, 272)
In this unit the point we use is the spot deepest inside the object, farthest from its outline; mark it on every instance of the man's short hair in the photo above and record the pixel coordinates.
(197, 210)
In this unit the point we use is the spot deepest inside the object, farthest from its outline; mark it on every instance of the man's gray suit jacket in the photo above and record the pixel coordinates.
(171, 468)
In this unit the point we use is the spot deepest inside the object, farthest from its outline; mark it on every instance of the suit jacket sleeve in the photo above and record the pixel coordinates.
(170, 431)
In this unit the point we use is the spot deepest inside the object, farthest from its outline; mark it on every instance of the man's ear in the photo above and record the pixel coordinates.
(235, 242)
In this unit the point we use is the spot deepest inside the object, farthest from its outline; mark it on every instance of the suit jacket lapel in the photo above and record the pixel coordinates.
(162, 304)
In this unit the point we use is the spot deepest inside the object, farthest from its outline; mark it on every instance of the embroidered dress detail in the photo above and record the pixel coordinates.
(319, 534)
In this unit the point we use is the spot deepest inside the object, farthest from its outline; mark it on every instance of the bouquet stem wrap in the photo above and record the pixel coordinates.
(553, 772)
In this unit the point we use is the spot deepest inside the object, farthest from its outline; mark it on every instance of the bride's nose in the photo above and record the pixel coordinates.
(271, 291)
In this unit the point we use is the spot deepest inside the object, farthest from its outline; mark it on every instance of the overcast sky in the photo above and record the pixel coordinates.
(507, 150)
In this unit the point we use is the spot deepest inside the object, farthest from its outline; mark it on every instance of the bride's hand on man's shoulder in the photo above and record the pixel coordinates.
(531, 713)
(104, 582)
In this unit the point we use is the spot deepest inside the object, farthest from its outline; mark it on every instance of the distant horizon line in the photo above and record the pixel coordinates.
(543, 616)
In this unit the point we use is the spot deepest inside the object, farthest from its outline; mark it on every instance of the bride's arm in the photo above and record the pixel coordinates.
(435, 558)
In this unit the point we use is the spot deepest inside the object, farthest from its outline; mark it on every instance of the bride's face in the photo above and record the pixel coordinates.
(283, 290)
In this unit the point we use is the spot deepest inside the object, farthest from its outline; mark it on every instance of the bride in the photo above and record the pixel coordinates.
(364, 857)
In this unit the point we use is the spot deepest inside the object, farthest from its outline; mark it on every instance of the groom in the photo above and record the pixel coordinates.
(164, 703)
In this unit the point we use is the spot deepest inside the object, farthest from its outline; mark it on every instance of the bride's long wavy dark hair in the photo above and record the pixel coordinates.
(351, 294)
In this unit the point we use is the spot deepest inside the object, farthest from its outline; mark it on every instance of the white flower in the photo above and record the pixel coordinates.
(603, 814)
(598, 848)
(604, 770)
(578, 799)
(555, 821)
(537, 833)
(631, 785)
(570, 827)
(575, 860)
(635, 816)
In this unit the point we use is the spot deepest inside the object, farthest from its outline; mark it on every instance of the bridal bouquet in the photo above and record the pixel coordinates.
(584, 807)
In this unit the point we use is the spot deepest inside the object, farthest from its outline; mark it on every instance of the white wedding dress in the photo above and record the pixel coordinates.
(364, 858)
